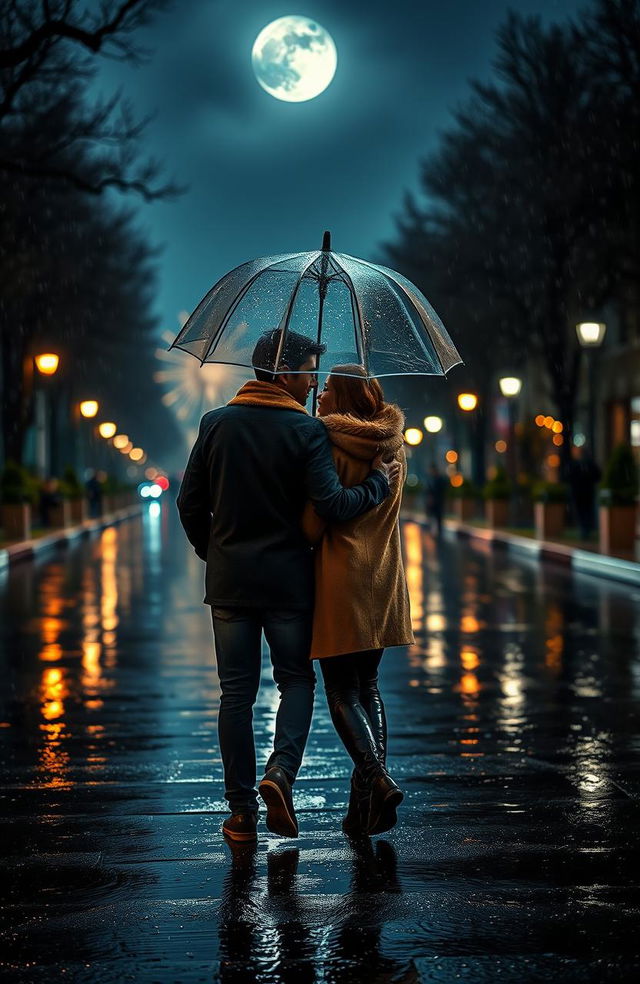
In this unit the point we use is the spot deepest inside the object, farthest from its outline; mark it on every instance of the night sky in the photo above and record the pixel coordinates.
(266, 176)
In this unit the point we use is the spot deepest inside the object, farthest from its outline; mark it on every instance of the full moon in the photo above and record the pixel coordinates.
(294, 58)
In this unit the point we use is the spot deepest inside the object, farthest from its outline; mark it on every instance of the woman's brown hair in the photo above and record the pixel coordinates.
(356, 394)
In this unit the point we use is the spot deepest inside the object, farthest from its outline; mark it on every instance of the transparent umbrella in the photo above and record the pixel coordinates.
(364, 313)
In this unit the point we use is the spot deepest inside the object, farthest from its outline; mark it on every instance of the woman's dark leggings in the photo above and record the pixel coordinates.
(357, 710)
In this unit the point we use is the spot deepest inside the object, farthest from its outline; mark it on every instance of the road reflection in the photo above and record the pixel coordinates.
(514, 640)
(281, 933)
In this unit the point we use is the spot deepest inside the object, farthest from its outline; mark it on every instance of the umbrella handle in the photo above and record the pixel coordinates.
(326, 242)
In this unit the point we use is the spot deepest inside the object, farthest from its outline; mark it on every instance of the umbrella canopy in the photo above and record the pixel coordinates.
(364, 313)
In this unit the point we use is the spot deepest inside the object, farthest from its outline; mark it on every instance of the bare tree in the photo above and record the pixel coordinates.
(515, 198)
(47, 50)
(78, 278)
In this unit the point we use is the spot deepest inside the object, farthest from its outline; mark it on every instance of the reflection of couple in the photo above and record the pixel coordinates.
(309, 554)
(272, 935)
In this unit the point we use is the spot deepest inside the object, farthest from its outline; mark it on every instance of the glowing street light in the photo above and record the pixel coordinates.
(510, 385)
(433, 424)
(89, 408)
(136, 454)
(47, 363)
(107, 429)
(413, 436)
(467, 401)
(591, 336)
(120, 441)
(591, 333)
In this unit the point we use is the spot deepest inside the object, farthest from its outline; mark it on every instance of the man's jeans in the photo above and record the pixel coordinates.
(238, 638)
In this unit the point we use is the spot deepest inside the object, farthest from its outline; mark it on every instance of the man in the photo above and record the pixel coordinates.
(252, 468)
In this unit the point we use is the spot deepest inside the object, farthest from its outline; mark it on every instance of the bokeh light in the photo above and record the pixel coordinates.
(467, 401)
(89, 408)
(107, 429)
(47, 363)
(413, 436)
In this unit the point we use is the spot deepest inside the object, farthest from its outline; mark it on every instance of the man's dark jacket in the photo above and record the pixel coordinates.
(250, 472)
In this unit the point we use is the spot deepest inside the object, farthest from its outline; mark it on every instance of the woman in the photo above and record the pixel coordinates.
(361, 600)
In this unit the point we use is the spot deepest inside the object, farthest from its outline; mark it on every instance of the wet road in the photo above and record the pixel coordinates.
(514, 724)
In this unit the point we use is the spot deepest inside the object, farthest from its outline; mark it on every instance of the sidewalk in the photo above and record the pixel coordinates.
(13, 553)
(581, 558)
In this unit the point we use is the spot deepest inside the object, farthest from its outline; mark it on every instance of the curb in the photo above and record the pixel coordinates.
(31, 549)
(579, 560)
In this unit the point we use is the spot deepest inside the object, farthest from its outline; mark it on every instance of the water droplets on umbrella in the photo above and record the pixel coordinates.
(363, 312)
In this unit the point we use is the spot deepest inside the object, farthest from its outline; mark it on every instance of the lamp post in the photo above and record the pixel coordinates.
(510, 387)
(591, 336)
(433, 425)
(87, 410)
(468, 402)
(47, 365)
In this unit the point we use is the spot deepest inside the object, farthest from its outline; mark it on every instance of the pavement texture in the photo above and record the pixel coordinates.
(514, 733)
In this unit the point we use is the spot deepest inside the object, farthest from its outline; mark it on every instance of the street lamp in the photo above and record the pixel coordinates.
(107, 429)
(89, 408)
(45, 418)
(591, 333)
(591, 336)
(47, 363)
(510, 387)
(433, 424)
(413, 436)
(120, 441)
(467, 401)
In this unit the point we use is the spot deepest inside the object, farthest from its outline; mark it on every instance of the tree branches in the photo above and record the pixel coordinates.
(31, 35)
(48, 51)
(532, 201)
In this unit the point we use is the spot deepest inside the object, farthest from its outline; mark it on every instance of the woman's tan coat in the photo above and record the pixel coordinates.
(361, 599)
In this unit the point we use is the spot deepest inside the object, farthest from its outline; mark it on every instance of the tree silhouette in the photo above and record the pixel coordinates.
(519, 221)
(48, 53)
(79, 278)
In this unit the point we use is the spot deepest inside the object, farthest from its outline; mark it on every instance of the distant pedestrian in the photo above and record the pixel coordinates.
(361, 597)
(434, 500)
(94, 495)
(583, 477)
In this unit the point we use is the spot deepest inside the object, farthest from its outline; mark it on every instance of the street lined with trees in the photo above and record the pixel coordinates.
(78, 273)
(528, 216)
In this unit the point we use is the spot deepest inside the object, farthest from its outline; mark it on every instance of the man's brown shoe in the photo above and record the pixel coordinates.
(241, 827)
(275, 790)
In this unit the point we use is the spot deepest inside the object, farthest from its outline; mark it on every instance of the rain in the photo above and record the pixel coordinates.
(444, 207)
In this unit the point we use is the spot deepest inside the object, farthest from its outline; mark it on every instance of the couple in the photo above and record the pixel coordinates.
(297, 520)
